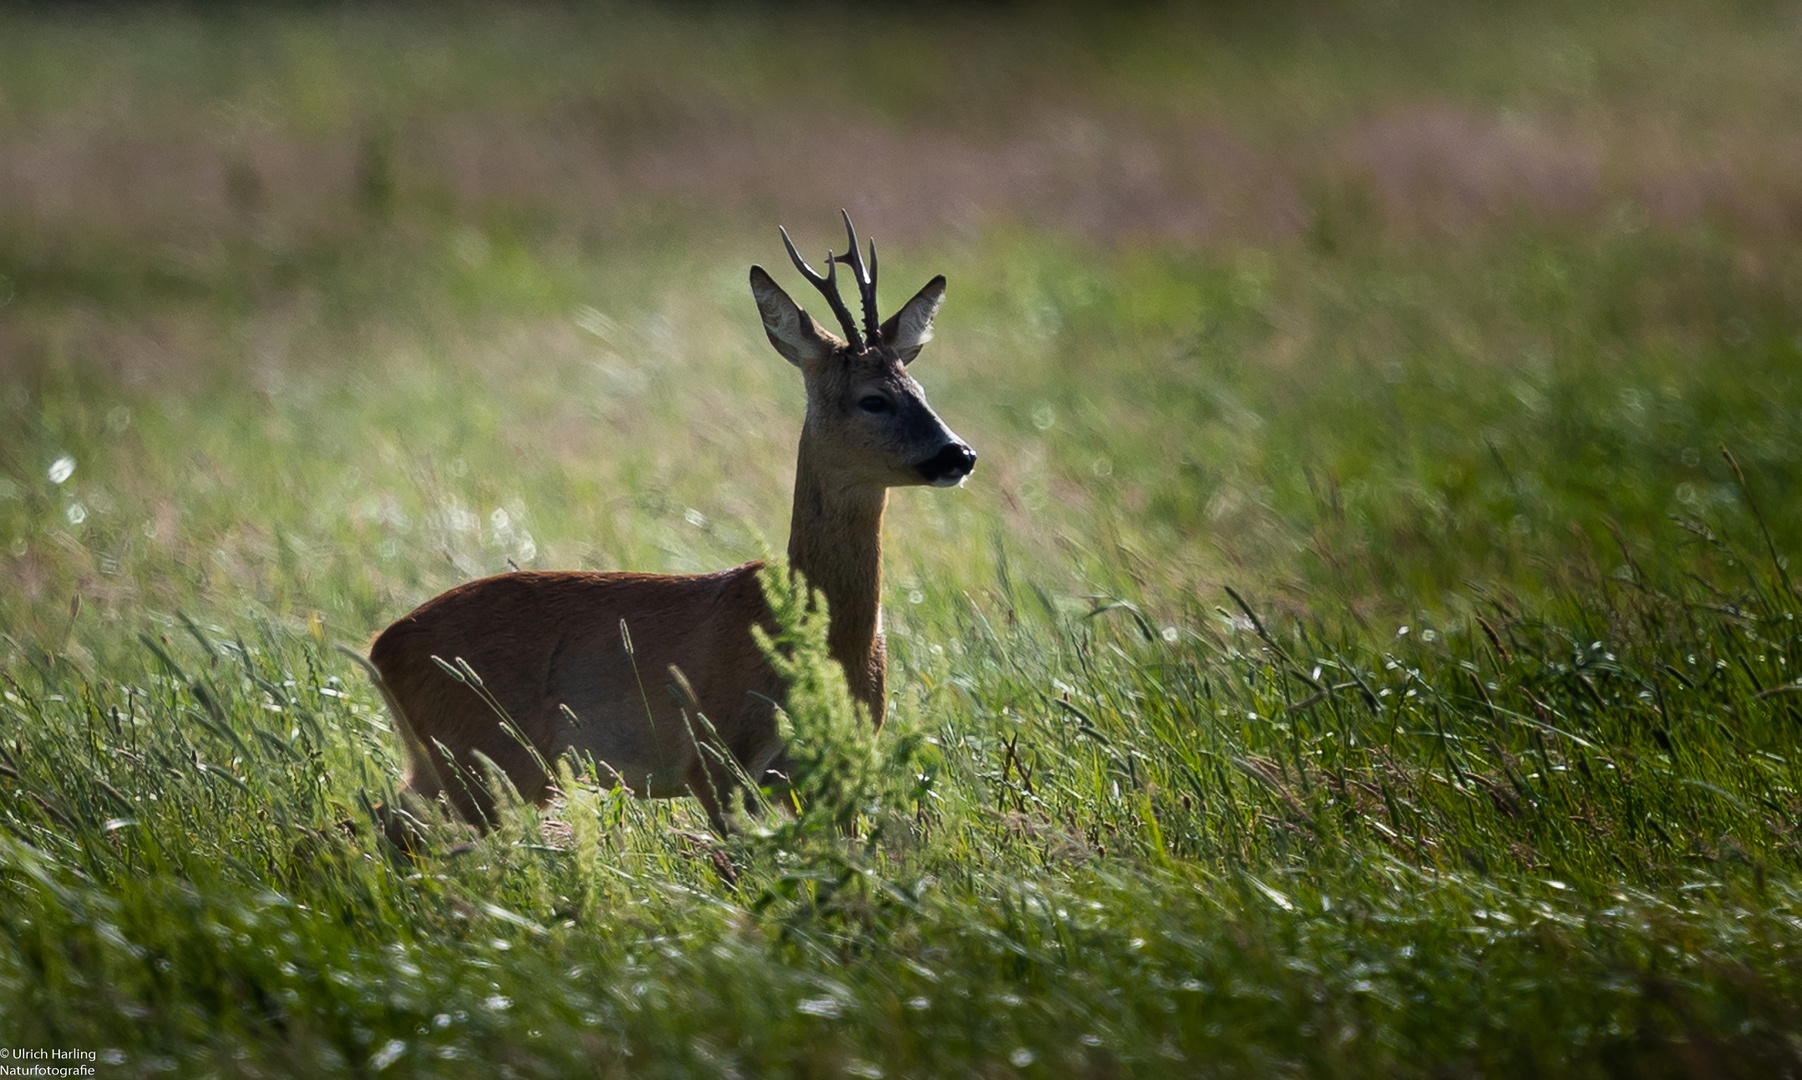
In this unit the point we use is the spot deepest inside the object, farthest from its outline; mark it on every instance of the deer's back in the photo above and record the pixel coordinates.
(541, 642)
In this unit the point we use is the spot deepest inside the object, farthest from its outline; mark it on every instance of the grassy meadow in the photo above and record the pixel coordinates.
(1362, 649)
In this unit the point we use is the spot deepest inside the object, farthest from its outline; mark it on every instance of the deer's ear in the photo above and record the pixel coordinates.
(908, 330)
(801, 340)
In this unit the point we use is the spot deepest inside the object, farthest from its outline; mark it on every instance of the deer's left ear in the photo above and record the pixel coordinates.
(908, 330)
(800, 339)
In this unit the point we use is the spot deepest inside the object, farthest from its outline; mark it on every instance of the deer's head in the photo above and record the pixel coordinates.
(867, 419)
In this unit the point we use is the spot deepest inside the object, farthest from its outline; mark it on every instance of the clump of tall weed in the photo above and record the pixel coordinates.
(848, 786)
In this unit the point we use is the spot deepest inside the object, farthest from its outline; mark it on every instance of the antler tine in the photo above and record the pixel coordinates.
(870, 312)
(828, 286)
(866, 279)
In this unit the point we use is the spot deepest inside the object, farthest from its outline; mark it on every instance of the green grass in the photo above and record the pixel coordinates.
(1367, 645)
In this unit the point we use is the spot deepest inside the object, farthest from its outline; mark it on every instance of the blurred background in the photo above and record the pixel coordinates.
(1360, 305)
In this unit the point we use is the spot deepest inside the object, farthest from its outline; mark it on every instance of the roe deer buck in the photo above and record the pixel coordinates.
(550, 649)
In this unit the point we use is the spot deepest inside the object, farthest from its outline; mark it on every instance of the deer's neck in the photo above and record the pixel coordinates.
(835, 541)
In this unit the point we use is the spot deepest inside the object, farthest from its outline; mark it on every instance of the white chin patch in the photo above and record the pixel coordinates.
(946, 481)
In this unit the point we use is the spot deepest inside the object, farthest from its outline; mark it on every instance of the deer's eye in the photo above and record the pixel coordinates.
(875, 403)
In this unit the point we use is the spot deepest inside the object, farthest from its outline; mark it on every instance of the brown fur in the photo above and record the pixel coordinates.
(541, 643)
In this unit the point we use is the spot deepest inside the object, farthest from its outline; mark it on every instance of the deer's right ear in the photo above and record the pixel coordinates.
(796, 335)
(908, 330)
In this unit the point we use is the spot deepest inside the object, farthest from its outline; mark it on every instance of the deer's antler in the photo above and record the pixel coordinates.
(866, 280)
(828, 286)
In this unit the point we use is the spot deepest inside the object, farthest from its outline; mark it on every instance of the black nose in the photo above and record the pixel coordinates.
(952, 463)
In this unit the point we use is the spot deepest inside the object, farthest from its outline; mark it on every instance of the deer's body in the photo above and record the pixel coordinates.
(549, 649)
(619, 710)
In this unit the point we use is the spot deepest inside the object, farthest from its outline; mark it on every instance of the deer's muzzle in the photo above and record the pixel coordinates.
(949, 466)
